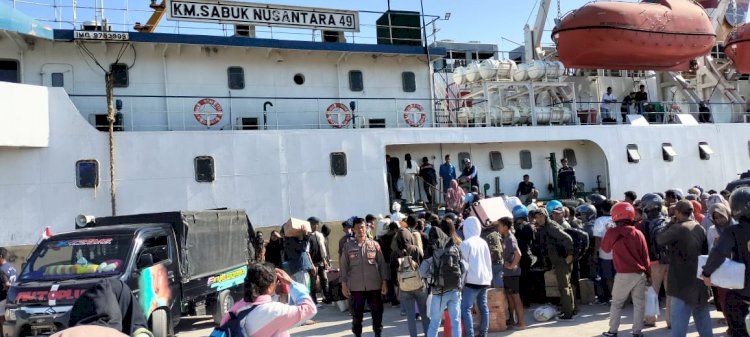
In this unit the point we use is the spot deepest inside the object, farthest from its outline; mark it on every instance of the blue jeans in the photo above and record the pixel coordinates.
(681, 312)
(469, 296)
(409, 300)
(450, 300)
(497, 276)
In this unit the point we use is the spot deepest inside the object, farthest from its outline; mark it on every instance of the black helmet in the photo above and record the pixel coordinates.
(596, 199)
(587, 212)
(651, 204)
(739, 202)
(674, 193)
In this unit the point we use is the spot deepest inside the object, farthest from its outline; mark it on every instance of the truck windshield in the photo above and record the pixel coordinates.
(78, 258)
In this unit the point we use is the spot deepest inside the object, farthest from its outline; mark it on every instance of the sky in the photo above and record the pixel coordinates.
(487, 21)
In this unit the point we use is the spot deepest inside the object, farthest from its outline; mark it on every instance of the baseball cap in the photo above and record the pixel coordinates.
(313, 220)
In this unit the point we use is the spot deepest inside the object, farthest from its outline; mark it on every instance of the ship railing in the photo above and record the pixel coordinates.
(122, 17)
(661, 112)
(185, 113)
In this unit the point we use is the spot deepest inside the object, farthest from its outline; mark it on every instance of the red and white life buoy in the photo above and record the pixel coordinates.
(415, 109)
(338, 109)
(208, 112)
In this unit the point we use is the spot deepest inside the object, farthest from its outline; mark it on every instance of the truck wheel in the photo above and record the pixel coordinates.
(160, 323)
(224, 302)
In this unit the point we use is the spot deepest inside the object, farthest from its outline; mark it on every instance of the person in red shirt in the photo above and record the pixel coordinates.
(631, 264)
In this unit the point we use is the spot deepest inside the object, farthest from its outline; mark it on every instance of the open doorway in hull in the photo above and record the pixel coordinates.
(501, 166)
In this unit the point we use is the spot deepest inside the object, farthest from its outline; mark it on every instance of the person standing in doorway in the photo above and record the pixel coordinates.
(394, 173)
(429, 179)
(526, 190)
(364, 273)
(447, 173)
(566, 179)
(410, 172)
(469, 175)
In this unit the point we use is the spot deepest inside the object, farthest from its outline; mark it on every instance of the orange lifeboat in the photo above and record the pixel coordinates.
(648, 35)
(737, 48)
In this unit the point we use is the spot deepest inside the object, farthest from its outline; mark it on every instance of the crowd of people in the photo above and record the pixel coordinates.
(428, 264)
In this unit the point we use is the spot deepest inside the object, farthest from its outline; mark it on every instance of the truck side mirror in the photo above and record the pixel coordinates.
(145, 260)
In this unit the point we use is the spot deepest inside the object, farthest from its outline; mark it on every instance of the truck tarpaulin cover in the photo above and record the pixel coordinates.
(209, 241)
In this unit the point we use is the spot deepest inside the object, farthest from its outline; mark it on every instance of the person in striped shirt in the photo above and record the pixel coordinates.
(269, 318)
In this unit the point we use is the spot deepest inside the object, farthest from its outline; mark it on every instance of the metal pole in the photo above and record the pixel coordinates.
(431, 78)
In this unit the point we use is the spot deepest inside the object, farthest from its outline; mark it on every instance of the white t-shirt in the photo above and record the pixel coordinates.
(601, 226)
(414, 168)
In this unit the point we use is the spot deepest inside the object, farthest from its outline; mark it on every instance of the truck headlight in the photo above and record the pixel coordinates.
(10, 314)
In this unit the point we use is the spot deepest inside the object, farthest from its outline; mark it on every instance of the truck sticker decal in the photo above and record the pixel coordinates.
(154, 289)
(228, 280)
(47, 295)
(84, 242)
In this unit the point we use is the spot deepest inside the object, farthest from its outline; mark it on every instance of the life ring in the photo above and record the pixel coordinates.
(338, 109)
(204, 115)
(411, 109)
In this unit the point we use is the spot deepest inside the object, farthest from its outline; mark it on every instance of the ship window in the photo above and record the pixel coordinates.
(667, 152)
(9, 71)
(204, 169)
(496, 160)
(408, 81)
(58, 80)
(87, 173)
(119, 75)
(158, 247)
(299, 79)
(705, 150)
(633, 155)
(338, 163)
(461, 157)
(570, 155)
(236, 78)
(355, 80)
(525, 159)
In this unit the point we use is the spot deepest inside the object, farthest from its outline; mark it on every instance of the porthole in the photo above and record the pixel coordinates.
(299, 79)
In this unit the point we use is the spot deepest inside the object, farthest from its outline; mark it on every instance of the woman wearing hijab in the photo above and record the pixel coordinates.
(274, 249)
(721, 218)
(408, 253)
(697, 211)
(455, 197)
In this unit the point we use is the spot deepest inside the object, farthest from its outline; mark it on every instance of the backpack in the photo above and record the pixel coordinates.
(654, 228)
(447, 269)
(580, 241)
(408, 275)
(495, 243)
(233, 327)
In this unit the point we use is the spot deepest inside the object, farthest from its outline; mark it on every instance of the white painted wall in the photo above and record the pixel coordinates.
(24, 120)
(278, 174)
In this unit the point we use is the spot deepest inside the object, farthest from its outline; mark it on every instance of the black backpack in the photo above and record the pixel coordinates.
(580, 241)
(233, 327)
(447, 269)
(654, 228)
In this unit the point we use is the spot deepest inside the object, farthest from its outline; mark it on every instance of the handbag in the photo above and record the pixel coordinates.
(409, 278)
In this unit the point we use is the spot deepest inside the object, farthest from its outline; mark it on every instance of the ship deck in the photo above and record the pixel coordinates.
(591, 321)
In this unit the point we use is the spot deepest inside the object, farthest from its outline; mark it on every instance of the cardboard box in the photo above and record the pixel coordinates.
(296, 227)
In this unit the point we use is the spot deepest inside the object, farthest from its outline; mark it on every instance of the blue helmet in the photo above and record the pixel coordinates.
(554, 205)
(520, 211)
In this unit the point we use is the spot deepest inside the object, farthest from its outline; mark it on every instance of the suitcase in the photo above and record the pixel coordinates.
(491, 209)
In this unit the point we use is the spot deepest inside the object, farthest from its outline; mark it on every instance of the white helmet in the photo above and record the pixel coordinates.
(545, 313)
